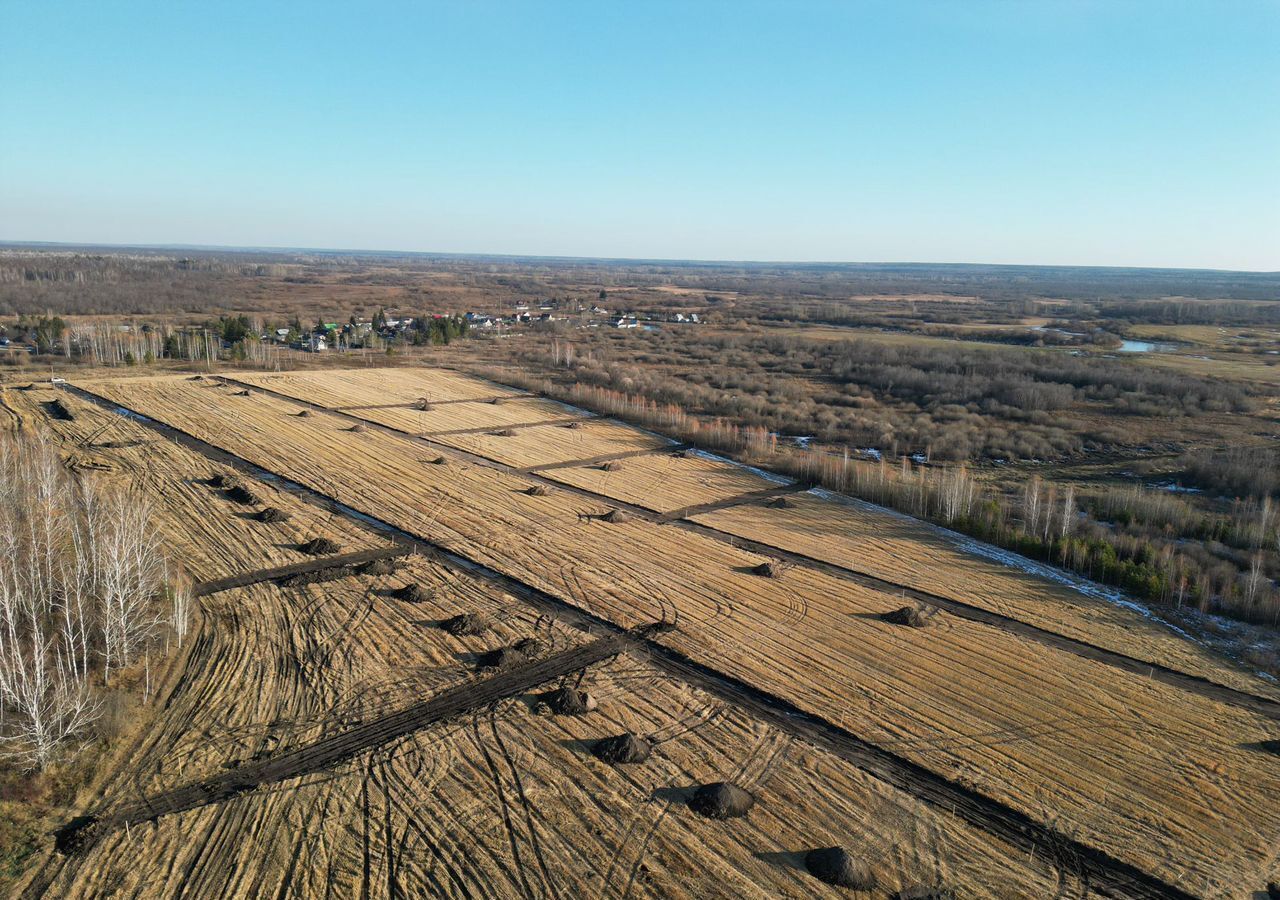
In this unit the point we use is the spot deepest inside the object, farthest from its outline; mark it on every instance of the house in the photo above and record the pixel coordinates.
(626, 322)
(282, 335)
(316, 343)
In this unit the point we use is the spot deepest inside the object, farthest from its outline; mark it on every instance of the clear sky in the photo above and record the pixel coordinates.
(1107, 132)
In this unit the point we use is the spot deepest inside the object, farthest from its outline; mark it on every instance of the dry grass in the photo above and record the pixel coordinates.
(664, 483)
(456, 416)
(548, 444)
(906, 551)
(490, 803)
(1134, 766)
(353, 387)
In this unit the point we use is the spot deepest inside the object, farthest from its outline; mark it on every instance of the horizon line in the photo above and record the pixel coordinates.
(232, 248)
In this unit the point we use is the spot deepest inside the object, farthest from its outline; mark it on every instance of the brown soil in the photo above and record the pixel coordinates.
(721, 800)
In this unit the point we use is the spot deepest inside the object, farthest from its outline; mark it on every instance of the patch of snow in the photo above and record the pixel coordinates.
(1176, 488)
(870, 452)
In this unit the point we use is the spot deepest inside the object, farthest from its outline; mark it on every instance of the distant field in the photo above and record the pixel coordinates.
(1132, 765)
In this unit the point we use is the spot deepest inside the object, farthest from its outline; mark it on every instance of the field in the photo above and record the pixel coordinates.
(551, 445)
(1164, 779)
(373, 387)
(502, 802)
(458, 416)
(665, 482)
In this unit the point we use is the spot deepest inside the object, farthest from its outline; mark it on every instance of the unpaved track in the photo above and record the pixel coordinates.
(1167, 675)
(337, 561)
(1103, 872)
(604, 458)
(327, 752)
(750, 497)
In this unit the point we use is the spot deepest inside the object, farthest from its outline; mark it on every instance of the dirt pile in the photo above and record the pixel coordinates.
(58, 409)
(377, 567)
(835, 866)
(521, 651)
(272, 514)
(780, 503)
(440, 461)
(536, 491)
(721, 800)
(422, 404)
(320, 546)
(622, 748)
(615, 517)
(574, 425)
(245, 393)
(241, 494)
(222, 481)
(414, 593)
(464, 624)
(911, 616)
(612, 465)
(306, 413)
(506, 432)
(767, 570)
(566, 701)
(357, 428)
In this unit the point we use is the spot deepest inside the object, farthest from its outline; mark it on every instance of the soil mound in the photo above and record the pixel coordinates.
(58, 409)
(567, 702)
(574, 425)
(413, 593)
(222, 481)
(377, 567)
(521, 651)
(612, 465)
(440, 461)
(780, 503)
(245, 393)
(911, 616)
(506, 432)
(615, 517)
(721, 800)
(623, 748)
(767, 570)
(423, 404)
(496, 401)
(319, 546)
(272, 514)
(357, 428)
(835, 866)
(75, 835)
(196, 378)
(241, 494)
(464, 624)
(306, 413)
(537, 491)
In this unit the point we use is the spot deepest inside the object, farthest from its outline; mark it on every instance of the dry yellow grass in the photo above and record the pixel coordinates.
(212, 536)
(1160, 777)
(480, 414)
(548, 444)
(496, 804)
(663, 482)
(357, 387)
(910, 552)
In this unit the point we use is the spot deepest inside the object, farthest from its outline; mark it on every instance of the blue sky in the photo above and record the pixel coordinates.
(1108, 133)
